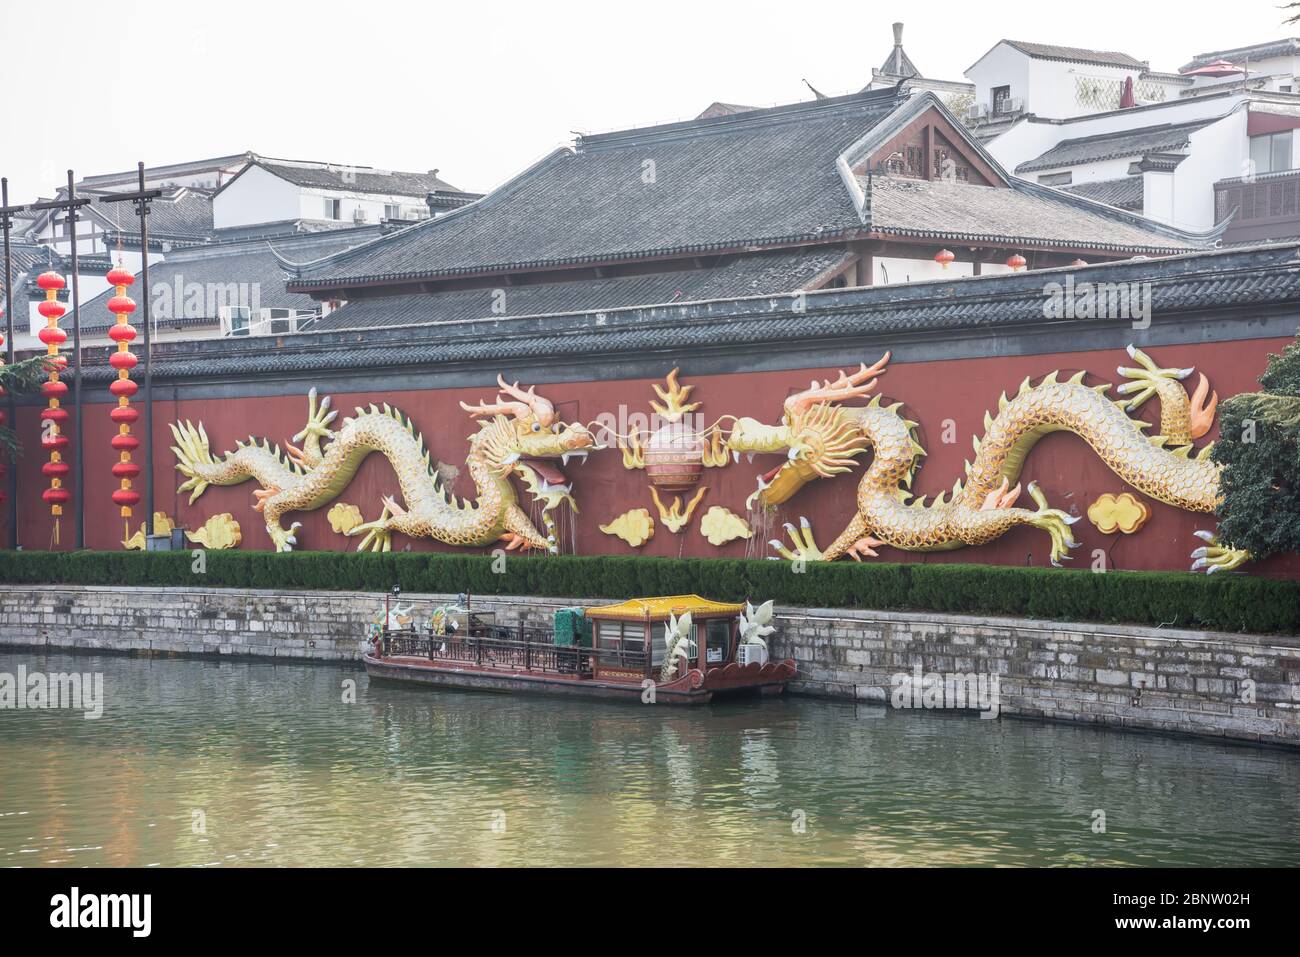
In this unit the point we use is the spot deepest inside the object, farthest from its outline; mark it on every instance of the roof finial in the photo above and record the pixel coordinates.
(898, 34)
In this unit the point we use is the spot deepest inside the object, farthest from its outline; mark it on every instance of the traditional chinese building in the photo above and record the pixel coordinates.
(875, 188)
(706, 272)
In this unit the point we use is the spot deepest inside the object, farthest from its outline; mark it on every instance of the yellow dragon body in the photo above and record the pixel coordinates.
(515, 431)
(823, 438)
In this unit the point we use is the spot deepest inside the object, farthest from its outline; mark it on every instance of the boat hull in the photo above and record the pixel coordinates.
(693, 688)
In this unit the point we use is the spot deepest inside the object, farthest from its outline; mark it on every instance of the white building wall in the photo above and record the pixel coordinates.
(1158, 196)
(370, 206)
(257, 197)
(1086, 172)
(1218, 151)
(1002, 66)
(890, 270)
(1033, 137)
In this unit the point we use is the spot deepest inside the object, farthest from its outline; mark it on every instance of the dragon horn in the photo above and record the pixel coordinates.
(496, 408)
(540, 407)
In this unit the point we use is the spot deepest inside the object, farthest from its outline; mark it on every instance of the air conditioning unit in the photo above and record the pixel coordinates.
(1012, 104)
(977, 111)
(751, 655)
(358, 216)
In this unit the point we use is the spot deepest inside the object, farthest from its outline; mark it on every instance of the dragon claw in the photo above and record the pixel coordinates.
(805, 546)
(284, 539)
(1144, 379)
(1056, 523)
(377, 536)
(1214, 557)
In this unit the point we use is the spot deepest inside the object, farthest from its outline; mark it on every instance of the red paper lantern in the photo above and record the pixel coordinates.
(944, 256)
(52, 437)
(1017, 262)
(121, 305)
(125, 497)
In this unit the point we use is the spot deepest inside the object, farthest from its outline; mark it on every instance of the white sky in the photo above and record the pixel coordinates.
(481, 90)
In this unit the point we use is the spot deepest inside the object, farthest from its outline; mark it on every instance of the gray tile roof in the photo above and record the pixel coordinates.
(1256, 51)
(1023, 214)
(1102, 146)
(730, 181)
(1051, 51)
(287, 227)
(758, 274)
(718, 108)
(183, 215)
(250, 266)
(1123, 193)
(360, 179)
(1217, 280)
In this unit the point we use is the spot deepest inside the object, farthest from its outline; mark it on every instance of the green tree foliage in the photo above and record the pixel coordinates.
(1259, 448)
(16, 379)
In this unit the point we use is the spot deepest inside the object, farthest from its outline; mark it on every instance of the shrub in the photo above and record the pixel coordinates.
(1172, 599)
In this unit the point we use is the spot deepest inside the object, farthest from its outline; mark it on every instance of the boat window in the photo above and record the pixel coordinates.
(633, 637)
(717, 640)
(611, 634)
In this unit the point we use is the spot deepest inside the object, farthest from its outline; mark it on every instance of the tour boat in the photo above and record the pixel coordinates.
(681, 649)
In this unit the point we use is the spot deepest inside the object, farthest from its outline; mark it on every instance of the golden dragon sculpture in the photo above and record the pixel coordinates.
(822, 438)
(516, 433)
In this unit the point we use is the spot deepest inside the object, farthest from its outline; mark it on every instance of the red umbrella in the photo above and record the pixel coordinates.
(1126, 99)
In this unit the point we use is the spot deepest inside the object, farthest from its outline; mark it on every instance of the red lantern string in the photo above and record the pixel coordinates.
(121, 305)
(52, 437)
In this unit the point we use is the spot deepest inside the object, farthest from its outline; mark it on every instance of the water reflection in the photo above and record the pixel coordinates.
(278, 770)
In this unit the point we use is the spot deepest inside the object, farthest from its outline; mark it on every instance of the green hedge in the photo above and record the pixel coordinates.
(1174, 599)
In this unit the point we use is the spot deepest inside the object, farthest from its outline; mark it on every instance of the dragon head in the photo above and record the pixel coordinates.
(818, 438)
(520, 429)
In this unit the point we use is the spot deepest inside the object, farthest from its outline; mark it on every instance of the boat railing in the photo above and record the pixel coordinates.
(529, 649)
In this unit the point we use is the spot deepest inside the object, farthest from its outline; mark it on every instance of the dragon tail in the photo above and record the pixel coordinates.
(194, 460)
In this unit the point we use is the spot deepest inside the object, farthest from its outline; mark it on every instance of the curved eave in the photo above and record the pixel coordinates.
(1030, 242)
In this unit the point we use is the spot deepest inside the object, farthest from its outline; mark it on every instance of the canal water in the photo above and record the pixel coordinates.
(219, 763)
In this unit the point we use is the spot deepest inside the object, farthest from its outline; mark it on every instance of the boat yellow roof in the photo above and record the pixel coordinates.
(658, 609)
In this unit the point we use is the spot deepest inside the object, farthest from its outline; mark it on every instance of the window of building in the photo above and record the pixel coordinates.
(1001, 94)
(392, 211)
(1271, 152)
(333, 209)
(1056, 179)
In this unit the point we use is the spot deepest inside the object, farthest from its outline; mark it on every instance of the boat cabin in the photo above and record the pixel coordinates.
(623, 633)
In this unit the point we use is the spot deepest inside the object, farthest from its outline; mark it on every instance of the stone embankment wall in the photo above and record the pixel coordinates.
(1222, 685)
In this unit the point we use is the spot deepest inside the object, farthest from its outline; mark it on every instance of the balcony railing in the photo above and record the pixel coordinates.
(1267, 206)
